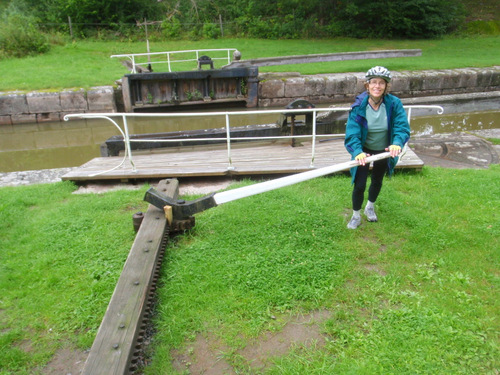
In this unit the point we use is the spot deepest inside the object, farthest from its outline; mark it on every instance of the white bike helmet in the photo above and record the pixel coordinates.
(380, 72)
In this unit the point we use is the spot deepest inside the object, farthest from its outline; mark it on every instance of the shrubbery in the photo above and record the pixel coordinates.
(483, 27)
(172, 28)
(294, 19)
(20, 35)
(211, 31)
(413, 19)
(23, 20)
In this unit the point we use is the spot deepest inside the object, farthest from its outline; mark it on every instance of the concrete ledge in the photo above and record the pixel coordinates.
(43, 102)
(322, 57)
(74, 101)
(101, 99)
(12, 103)
(37, 107)
(279, 90)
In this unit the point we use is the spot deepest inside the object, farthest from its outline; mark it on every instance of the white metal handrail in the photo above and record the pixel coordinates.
(169, 61)
(438, 108)
(126, 136)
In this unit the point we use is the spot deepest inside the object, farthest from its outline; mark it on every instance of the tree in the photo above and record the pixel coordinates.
(94, 12)
(263, 19)
(20, 35)
(400, 19)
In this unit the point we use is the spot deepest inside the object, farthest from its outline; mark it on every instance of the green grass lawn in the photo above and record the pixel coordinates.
(416, 292)
(88, 63)
(60, 257)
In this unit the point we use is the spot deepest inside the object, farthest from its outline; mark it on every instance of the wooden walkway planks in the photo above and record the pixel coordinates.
(114, 343)
(250, 158)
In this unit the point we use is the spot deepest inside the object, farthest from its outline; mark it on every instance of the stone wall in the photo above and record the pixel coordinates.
(36, 107)
(275, 90)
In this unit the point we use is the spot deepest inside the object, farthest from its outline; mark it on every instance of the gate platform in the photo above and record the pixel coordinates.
(247, 159)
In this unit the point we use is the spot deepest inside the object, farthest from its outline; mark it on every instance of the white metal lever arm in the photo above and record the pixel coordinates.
(246, 191)
(182, 209)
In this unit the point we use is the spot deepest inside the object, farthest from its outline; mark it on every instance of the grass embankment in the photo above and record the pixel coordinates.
(60, 257)
(416, 292)
(88, 63)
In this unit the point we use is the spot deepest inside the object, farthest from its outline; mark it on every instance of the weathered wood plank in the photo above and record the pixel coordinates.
(112, 347)
(250, 159)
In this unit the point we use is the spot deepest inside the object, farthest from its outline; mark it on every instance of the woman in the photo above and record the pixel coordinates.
(377, 122)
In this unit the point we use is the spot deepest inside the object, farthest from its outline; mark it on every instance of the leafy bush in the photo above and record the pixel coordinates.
(94, 12)
(20, 35)
(274, 19)
(195, 33)
(483, 28)
(211, 31)
(287, 27)
(413, 19)
(171, 28)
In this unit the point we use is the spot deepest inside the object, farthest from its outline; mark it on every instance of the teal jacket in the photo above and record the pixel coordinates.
(398, 128)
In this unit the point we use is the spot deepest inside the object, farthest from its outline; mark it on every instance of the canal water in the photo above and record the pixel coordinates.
(72, 143)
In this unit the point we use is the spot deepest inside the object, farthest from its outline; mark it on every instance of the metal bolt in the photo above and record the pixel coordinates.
(137, 220)
(116, 346)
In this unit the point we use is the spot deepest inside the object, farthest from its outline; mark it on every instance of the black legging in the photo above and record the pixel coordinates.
(378, 172)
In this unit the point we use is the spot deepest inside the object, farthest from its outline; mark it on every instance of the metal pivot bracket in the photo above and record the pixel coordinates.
(178, 209)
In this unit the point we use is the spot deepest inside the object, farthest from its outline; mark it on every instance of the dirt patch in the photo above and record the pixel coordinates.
(66, 362)
(41, 176)
(206, 354)
(97, 188)
(301, 331)
(203, 185)
(200, 186)
(375, 268)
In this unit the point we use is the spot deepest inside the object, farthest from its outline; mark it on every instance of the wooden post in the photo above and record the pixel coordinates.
(128, 100)
(147, 45)
(70, 27)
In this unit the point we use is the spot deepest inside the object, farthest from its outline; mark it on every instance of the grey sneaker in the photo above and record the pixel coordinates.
(370, 214)
(354, 222)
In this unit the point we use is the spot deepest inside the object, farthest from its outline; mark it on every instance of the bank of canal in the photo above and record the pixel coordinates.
(33, 137)
(274, 90)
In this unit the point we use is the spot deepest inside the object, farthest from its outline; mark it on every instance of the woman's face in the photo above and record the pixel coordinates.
(376, 87)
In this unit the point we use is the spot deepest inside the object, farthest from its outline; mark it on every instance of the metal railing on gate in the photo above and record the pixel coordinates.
(169, 54)
(314, 136)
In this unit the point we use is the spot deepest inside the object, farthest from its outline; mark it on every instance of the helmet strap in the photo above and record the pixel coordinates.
(376, 102)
